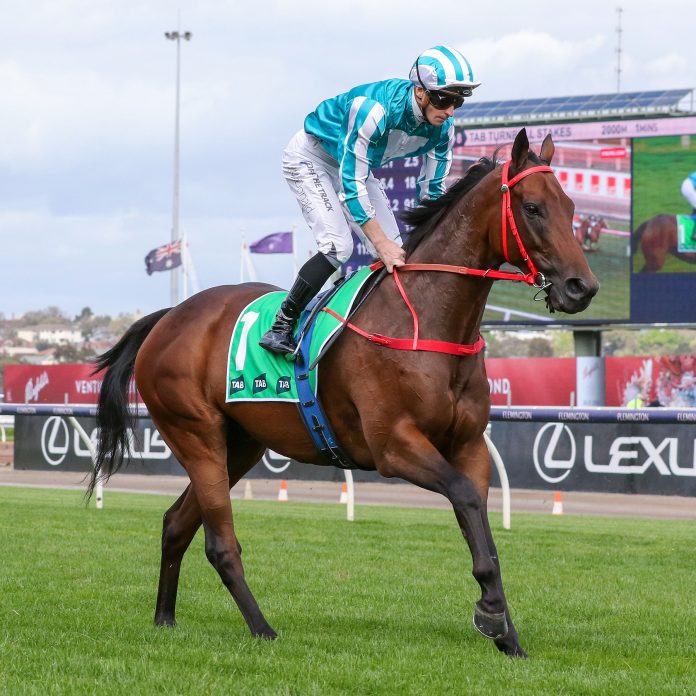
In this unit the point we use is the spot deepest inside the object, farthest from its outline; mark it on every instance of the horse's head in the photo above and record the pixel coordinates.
(543, 215)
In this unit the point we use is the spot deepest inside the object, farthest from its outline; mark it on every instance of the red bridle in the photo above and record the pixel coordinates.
(534, 278)
(509, 218)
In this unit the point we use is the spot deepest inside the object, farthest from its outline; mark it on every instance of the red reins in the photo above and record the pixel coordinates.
(533, 278)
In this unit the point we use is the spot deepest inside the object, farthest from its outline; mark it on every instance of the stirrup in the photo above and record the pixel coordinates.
(278, 342)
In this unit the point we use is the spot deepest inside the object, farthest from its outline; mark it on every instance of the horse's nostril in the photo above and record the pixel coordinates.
(577, 288)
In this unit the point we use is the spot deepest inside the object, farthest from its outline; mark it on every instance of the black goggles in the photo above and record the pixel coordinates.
(443, 99)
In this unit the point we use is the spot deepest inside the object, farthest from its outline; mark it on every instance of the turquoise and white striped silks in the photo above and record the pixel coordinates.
(372, 124)
(692, 176)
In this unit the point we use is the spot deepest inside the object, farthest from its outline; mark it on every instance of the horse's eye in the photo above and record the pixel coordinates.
(532, 209)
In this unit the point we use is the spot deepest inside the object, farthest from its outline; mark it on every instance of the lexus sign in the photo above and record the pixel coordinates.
(611, 457)
(55, 440)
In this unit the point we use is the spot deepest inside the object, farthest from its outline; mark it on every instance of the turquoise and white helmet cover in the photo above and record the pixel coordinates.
(441, 67)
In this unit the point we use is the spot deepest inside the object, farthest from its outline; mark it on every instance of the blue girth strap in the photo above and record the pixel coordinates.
(309, 406)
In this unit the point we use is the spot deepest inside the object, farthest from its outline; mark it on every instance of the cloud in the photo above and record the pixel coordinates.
(534, 64)
(670, 67)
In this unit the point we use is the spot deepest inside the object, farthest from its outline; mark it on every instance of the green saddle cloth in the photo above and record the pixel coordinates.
(255, 374)
(685, 233)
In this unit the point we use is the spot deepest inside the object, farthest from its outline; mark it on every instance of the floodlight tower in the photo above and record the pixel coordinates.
(176, 272)
(619, 32)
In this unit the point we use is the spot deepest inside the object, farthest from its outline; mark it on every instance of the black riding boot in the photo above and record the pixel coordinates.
(279, 339)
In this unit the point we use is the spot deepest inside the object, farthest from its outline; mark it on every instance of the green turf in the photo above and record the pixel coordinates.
(660, 165)
(610, 263)
(379, 606)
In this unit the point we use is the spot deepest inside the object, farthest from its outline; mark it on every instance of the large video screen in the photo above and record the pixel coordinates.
(632, 218)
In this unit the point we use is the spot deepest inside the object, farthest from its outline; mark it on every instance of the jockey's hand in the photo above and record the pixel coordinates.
(390, 253)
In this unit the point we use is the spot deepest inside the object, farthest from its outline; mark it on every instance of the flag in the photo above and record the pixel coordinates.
(276, 243)
(164, 258)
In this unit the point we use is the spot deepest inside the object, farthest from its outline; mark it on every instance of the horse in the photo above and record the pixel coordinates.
(657, 237)
(414, 414)
(588, 231)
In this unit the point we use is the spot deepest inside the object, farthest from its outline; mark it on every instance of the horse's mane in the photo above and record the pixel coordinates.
(426, 216)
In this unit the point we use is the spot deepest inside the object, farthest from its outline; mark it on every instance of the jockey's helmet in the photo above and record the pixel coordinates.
(445, 68)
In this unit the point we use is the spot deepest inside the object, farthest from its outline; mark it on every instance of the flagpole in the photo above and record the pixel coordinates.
(185, 262)
(246, 264)
(176, 36)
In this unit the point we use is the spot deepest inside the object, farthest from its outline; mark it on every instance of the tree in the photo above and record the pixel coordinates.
(84, 315)
(72, 354)
(539, 347)
(50, 315)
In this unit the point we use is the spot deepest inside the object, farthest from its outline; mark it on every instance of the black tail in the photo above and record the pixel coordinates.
(635, 237)
(113, 416)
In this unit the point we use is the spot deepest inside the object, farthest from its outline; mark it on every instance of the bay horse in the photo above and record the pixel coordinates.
(657, 237)
(588, 231)
(417, 415)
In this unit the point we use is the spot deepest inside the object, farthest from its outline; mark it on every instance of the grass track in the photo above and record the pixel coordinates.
(379, 606)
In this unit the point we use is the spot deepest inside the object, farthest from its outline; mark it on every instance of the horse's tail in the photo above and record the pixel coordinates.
(113, 416)
(635, 237)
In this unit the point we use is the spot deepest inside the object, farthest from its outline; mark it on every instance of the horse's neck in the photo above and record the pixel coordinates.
(455, 303)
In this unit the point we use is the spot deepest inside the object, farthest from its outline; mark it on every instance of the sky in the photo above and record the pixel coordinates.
(87, 104)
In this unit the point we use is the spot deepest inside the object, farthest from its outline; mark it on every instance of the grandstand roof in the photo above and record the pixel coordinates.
(622, 105)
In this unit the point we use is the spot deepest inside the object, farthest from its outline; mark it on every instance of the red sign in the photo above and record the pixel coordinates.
(531, 381)
(52, 384)
(612, 152)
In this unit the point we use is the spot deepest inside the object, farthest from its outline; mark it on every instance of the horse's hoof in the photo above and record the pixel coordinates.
(165, 621)
(493, 626)
(266, 633)
(511, 649)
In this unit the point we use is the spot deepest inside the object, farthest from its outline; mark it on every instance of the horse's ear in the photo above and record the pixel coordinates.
(520, 149)
(547, 149)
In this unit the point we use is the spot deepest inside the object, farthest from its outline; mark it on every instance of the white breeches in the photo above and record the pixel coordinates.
(313, 176)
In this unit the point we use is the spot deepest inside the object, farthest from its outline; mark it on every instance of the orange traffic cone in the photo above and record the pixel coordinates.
(557, 504)
(344, 494)
(283, 492)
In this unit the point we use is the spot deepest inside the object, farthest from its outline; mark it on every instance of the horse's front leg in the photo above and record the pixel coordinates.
(510, 642)
(411, 456)
(473, 461)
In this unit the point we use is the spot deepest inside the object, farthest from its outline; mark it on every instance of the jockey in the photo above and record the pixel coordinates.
(328, 167)
(688, 190)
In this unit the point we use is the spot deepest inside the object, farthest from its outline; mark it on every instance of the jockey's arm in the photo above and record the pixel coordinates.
(390, 253)
(361, 132)
(436, 166)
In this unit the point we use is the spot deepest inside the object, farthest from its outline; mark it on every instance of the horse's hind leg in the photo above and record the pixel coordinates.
(183, 519)
(207, 501)
(179, 526)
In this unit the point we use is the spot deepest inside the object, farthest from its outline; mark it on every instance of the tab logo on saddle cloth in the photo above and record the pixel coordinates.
(254, 374)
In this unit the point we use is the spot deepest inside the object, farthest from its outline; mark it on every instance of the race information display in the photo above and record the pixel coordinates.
(634, 224)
